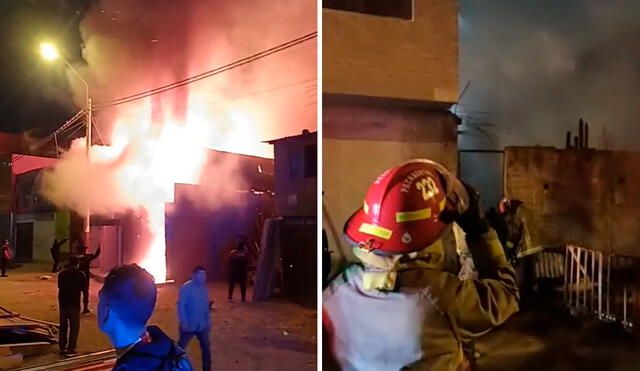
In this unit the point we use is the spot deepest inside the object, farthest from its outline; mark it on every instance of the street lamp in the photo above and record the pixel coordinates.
(50, 53)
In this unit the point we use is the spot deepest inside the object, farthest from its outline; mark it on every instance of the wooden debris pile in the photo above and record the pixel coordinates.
(22, 336)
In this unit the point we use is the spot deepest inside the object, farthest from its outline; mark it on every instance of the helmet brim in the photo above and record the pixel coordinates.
(351, 228)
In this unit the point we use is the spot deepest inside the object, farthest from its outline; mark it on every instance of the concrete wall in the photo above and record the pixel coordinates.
(361, 142)
(589, 198)
(63, 221)
(44, 231)
(295, 186)
(390, 57)
(5, 184)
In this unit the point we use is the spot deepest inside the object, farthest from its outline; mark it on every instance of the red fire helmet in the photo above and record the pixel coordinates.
(401, 211)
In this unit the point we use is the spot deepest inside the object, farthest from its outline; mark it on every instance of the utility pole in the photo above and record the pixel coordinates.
(87, 218)
(49, 52)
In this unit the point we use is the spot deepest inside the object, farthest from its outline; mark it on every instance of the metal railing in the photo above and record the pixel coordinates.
(601, 284)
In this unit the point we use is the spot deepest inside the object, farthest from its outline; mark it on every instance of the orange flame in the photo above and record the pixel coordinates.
(145, 159)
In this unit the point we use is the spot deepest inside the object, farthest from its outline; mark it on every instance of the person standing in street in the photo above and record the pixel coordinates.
(85, 267)
(55, 253)
(194, 316)
(70, 284)
(5, 257)
(238, 266)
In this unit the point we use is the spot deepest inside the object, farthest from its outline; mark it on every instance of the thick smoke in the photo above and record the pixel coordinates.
(149, 145)
(536, 67)
(132, 46)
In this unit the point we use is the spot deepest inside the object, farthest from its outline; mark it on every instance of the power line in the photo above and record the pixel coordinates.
(72, 122)
(213, 72)
(73, 133)
(251, 94)
(64, 126)
(189, 80)
(98, 131)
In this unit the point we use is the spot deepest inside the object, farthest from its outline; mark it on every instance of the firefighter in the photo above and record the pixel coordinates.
(518, 247)
(398, 308)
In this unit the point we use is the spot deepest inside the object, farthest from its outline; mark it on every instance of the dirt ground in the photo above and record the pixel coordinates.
(272, 335)
(546, 337)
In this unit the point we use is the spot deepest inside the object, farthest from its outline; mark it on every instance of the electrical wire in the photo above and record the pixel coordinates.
(72, 122)
(251, 94)
(213, 72)
(189, 80)
(97, 130)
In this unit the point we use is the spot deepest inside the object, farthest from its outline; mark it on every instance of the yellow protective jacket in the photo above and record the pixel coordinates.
(424, 322)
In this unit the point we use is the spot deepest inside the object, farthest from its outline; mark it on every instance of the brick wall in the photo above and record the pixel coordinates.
(389, 57)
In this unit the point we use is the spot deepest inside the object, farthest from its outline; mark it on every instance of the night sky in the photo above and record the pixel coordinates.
(33, 92)
(535, 67)
(134, 45)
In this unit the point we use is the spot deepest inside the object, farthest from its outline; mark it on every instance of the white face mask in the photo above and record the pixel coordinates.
(381, 271)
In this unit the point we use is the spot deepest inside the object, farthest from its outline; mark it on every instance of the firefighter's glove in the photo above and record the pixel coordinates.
(472, 220)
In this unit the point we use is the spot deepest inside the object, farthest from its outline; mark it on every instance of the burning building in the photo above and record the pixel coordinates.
(154, 138)
(194, 235)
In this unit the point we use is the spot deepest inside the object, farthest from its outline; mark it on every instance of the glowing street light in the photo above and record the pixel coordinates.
(50, 53)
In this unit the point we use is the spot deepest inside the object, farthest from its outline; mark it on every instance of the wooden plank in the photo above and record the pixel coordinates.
(23, 344)
(40, 321)
(103, 360)
(28, 349)
(5, 310)
(6, 326)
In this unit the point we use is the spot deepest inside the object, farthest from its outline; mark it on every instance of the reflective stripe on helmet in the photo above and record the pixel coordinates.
(366, 208)
(409, 216)
(375, 230)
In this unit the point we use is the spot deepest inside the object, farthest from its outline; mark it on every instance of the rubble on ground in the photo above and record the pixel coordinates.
(22, 336)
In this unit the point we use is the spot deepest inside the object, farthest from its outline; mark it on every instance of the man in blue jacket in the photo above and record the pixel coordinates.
(193, 314)
(127, 300)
